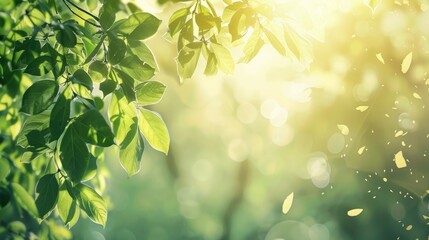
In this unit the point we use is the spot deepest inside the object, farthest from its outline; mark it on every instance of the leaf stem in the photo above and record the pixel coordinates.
(77, 15)
(83, 10)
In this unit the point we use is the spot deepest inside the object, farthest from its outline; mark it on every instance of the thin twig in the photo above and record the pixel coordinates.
(77, 15)
(83, 10)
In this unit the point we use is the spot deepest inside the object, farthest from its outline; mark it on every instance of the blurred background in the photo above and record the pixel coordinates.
(329, 133)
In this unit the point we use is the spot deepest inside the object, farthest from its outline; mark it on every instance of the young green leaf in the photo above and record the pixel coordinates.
(74, 155)
(24, 199)
(226, 63)
(154, 130)
(275, 42)
(131, 150)
(93, 129)
(177, 20)
(39, 96)
(67, 207)
(98, 71)
(121, 113)
(48, 189)
(149, 92)
(188, 59)
(91, 202)
(143, 53)
(136, 69)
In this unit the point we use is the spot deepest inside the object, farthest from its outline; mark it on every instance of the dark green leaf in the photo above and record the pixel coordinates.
(95, 50)
(149, 92)
(4, 196)
(40, 66)
(59, 117)
(74, 155)
(4, 168)
(93, 129)
(107, 16)
(39, 122)
(177, 20)
(47, 188)
(24, 199)
(66, 37)
(136, 69)
(107, 87)
(117, 50)
(91, 202)
(82, 77)
(67, 207)
(39, 96)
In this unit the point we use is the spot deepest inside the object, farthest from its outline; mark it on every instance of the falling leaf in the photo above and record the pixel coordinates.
(372, 4)
(400, 160)
(344, 129)
(384, 179)
(417, 96)
(409, 227)
(355, 212)
(287, 203)
(406, 63)
(380, 57)
(360, 151)
(362, 108)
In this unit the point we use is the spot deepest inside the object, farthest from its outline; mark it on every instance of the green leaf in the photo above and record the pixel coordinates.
(107, 87)
(206, 21)
(121, 114)
(93, 129)
(48, 189)
(186, 35)
(95, 50)
(66, 37)
(39, 96)
(91, 170)
(67, 207)
(24, 199)
(4, 196)
(149, 92)
(211, 67)
(91, 202)
(226, 63)
(17, 227)
(92, 4)
(143, 53)
(177, 20)
(117, 50)
(240, 22)
(127, 85)
(154, 130)
(275, 42)
(4, 168)
(82, 77)
(188, 59)
(147, 28)
(40, 66)
(136, 69)
(59, 116)
(131, 150)
(39, 122)
(98, 71)
(253, 46)
(74, 155)
(138, 26)
(107, 16)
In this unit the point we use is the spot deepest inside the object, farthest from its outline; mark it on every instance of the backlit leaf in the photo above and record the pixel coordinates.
(154, 130)
(24, 199)
(39, 96)
(91, 203)
(149, 92)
